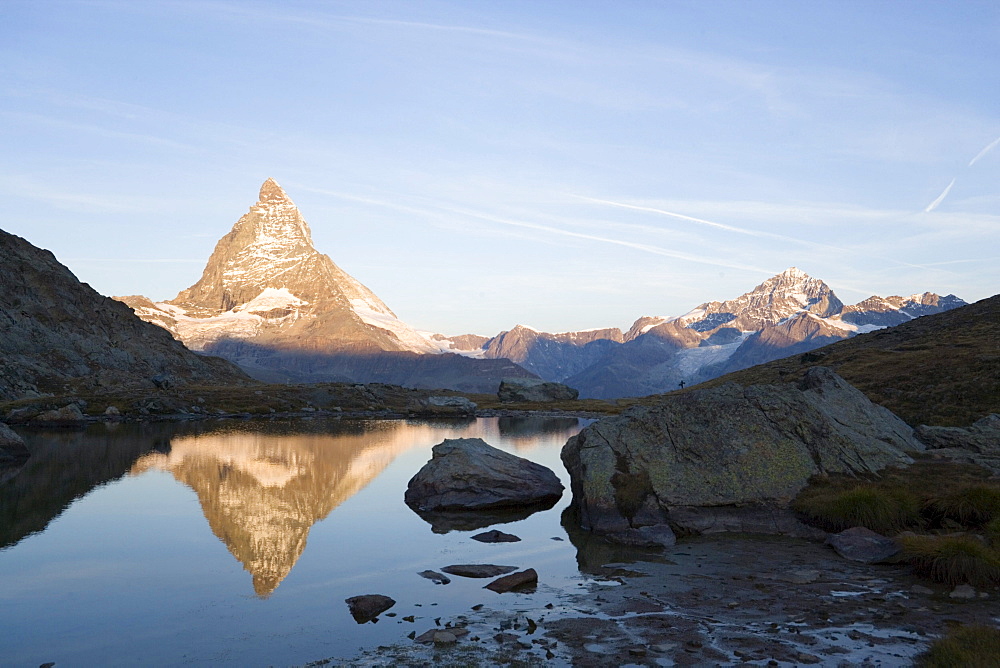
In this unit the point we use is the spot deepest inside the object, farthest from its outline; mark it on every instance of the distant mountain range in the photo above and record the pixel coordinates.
(273, 304)
(787, 314)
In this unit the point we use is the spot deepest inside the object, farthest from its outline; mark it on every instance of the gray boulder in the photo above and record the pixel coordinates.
(983, 436)
(725, 447)
(69, 415)
(460, 405)
(864, 545)
(469, 474)
(12, 447)
(533, 389)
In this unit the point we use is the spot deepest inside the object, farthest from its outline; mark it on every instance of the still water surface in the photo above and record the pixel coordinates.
(236, 543)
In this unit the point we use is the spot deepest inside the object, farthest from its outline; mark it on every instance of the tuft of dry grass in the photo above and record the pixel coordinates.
(966, 646)
(970, 506)
(953, 559)
(885, 510)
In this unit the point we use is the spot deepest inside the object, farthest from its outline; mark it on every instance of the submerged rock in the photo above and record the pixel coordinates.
(495, 536)
(478, 570)
(533, 389)
(367, 607)
(864, 545)
(435, 577)
(726, 447)
(469, 474)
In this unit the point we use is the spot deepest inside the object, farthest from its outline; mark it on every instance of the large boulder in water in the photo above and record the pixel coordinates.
(470, 474)
(533, 389)
(725, 447)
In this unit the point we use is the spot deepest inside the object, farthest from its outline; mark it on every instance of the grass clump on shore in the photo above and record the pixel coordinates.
(953, 559)
(966, 646)
(955, 506)
(883, 510)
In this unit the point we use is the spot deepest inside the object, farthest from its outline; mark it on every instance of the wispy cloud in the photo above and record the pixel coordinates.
(989, 147)
(436, 210)
(738, 230)
(940, 198)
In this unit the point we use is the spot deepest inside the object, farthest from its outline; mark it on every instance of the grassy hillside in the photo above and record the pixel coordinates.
(941, 369)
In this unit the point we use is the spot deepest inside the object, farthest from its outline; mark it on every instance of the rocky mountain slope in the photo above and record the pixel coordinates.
(787, 314)
(58, 334)
(272, 303)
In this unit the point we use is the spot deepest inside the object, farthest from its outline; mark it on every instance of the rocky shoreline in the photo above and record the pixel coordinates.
(710, 600)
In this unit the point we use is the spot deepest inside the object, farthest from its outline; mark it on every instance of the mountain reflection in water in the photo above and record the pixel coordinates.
(262, 492)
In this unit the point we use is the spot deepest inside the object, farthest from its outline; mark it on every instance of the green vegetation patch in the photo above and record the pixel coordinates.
(966, 646)
(953, 559)
(955, 506)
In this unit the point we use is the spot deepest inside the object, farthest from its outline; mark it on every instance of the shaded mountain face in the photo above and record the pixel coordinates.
(787, 314)
(58, 334)
(283, 311)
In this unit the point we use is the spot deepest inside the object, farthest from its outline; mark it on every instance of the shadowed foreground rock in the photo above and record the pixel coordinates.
(469, 474)
(726, 447)
(367, 607)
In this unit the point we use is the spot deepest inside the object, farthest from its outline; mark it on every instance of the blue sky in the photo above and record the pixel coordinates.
(564, 165)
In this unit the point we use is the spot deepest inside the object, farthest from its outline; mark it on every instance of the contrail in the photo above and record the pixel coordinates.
(737, 230)
(933, 205)
(986, 150)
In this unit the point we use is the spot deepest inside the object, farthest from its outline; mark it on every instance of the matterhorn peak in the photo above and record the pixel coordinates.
(270, 192)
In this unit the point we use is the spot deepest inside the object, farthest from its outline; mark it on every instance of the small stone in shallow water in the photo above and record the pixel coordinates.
(963, 591)
(478, 570)
(367, 607)
(435, 577)
(495, 536)
(526, 578)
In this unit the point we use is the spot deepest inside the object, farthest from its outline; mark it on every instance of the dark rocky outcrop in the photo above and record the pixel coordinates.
(531, 389)
(58, 334)
(367, 607)
(470, 474)
(725, 447)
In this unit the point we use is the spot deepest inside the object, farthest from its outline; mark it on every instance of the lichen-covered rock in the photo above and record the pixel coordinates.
(532, 389)
(470, 474)
(726, 446)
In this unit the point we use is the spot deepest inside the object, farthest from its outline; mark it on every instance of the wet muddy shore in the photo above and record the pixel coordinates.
(712, 600)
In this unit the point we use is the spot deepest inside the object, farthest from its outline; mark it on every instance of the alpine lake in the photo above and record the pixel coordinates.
(236, 542)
